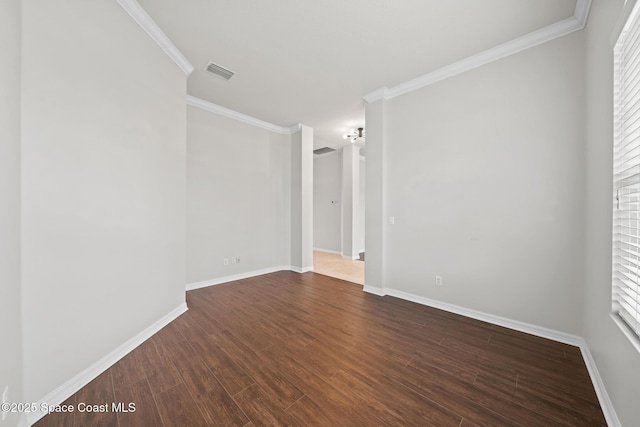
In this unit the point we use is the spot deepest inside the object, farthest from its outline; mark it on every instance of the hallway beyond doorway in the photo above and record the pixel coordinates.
(334, 265)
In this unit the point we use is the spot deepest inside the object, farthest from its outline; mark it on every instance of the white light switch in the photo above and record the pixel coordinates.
(392, 220)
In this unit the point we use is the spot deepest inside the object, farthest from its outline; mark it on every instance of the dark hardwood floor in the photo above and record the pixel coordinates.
(292, 349)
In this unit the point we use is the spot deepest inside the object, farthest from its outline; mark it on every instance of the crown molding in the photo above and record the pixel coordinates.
(295, 128)
(581, 13)
(382, 93)
(629, 5)
(226, 112)
(535, 38)
(142, 18)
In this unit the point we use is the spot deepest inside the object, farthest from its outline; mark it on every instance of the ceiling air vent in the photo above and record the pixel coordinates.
(323, 150)
(219, 71)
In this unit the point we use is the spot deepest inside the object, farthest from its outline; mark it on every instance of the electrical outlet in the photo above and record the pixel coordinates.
(438, 280)
(233, 260)
(5, 399)
(392, 220)
(225, 261)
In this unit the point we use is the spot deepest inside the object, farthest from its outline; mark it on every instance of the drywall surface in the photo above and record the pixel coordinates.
(350, 200)
(376, 196)
(103, 186)
(484, 177)
(617, 360)
(301, 170)
(361, 211)
(10, 324)
(236, 197)
(327, 201)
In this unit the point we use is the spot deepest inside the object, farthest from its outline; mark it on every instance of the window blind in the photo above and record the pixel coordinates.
(626, 169)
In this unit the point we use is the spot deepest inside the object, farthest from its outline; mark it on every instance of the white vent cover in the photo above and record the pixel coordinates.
(219, 71)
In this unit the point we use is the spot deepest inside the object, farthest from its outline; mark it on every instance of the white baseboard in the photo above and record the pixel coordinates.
(478, 315)
(603, 397)
(246, 275)
(375, 291)
(598, 385)
(338, 253)
(62, 393)
(327, 251)
(239, 276)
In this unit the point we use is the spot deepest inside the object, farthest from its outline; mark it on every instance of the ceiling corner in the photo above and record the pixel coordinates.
(142, 18)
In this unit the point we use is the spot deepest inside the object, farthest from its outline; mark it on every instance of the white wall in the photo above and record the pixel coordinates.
(103, 186)
(301, 201)
(617, 360)
(376, 196)
(361, 210)
(327, 187)
(485, 180)
(236, 196)
(10, 324)
(350, 201)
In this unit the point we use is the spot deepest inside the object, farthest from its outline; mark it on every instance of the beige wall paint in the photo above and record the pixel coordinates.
(103, 186)
(617, 360)
(484, 178)
(10, 323)
(236, 197)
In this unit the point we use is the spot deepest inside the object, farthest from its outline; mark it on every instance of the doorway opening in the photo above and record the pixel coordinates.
(334, 265)
(339, 213)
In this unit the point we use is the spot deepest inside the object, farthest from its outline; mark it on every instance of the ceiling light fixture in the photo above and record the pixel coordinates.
(354, 134)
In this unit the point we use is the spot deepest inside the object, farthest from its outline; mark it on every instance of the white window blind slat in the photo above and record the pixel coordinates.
(625, 285)
(625, 288)
(632, 34)
(629, 99)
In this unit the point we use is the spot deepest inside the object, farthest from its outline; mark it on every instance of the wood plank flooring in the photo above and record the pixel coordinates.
(309, 350)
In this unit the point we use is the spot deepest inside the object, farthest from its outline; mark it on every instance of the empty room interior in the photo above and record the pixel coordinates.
(168, 170)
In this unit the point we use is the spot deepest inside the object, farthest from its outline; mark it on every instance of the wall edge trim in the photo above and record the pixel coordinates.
(374, 291)
(550, 32)
(601, 391)
(71, 386)
(142, 18)
(241, 117)
(234, 277)
(328, 251)
(301, 270)
(245, 275)
(603, 397)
